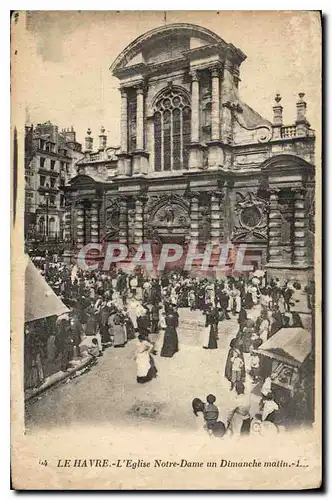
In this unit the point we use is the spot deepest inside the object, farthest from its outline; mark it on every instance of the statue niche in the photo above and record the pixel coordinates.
(112, 213)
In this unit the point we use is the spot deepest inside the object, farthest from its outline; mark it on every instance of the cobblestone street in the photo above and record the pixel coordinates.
(109, 392)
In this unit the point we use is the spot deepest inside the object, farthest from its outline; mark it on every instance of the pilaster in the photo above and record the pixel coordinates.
(194, 217)
(123, 221)
(300, 252)
(139, 207)
(95, 221)
(79, 226)
(274, 229)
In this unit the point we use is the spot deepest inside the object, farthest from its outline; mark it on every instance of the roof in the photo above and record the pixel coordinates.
(40, 300)
(249, 118)
(290, 345)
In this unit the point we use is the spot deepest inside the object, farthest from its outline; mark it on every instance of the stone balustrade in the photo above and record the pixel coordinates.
(288, 131)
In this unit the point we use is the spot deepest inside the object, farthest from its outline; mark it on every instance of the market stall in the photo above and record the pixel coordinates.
(288, 349)
(42, 306)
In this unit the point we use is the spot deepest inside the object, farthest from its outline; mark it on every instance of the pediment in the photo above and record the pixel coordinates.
(164, 43)
(82, 181)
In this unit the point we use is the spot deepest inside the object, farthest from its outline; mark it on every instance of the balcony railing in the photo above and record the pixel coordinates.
(46, 171)
(52, 236)
(48, 189)
(94, 156)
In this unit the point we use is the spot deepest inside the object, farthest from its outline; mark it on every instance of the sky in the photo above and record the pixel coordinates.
(66, 58)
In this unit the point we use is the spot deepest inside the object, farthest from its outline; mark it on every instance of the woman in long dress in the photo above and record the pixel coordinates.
(103, 323)
(146, 369)
(170, 345)
(119, 331)
(210, 330)
(263, 325)
(235, 346)
(130, 329)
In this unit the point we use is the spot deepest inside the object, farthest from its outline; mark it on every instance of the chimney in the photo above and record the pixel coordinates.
(277, 112)
(70, 134)
(88, 141)
(102, 139)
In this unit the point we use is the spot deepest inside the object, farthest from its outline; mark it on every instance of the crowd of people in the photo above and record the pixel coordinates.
(114, 308)
(239, 420)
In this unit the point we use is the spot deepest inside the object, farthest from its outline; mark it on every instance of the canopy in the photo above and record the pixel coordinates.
(289, 345)
(40, 300)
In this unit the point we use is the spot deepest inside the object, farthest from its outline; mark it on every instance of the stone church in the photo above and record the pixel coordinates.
(195, 162)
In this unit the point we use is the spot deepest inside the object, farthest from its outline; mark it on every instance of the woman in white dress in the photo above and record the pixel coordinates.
(146, 369)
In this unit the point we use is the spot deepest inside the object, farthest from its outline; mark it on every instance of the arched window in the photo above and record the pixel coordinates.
(41, 226)
(172, 119)
(51, 228)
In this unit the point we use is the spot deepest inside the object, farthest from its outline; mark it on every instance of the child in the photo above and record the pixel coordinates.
(98, 339)
(192, 300)
(239, 388)
(211, 412)
(254, 363)
(237, 365)
(94, 349)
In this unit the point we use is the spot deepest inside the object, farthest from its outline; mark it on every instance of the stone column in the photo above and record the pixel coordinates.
(215, 114)
(226, 103)
(124, 121)
(196, 149)
(300, 251)
(194, 106)
(139, 118)
(79, 226)
(194, 216)
(274, 230)
(95, 222)
(123, 158)
(139, 221)
(140, 156)
(216, 156)
(123, 223)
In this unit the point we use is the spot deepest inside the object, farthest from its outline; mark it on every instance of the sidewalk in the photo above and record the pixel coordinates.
(58, 377)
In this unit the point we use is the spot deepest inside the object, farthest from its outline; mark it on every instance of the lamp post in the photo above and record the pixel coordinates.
(47, 194)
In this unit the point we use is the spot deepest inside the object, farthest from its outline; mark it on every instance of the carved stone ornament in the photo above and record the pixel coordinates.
(168, 213)
(112, 213)
(111, 154)
(264, 134)
(251, 217)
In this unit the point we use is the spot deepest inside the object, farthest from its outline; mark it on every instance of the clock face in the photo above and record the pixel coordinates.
(251, 217)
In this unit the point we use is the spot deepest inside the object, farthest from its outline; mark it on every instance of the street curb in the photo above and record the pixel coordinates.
(60, 378)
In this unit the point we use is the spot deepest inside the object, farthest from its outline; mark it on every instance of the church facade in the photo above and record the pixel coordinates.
(195, 163)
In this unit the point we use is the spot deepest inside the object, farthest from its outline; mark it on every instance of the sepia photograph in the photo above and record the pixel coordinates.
(166, 259)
